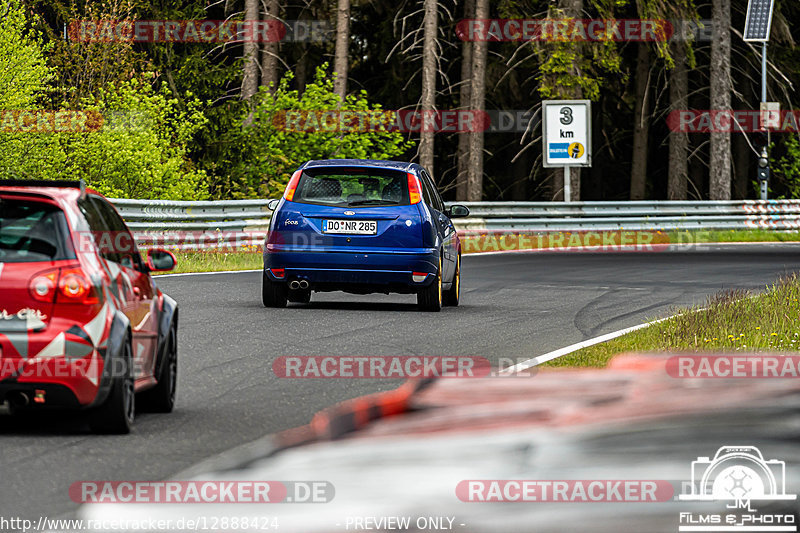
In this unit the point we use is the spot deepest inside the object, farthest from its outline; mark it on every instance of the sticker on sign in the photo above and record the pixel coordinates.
(566, 133)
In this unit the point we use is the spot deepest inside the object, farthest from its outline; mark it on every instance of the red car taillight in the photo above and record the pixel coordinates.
(68, 285)
(414, 194)
(73, 287)
(43, 286)
(292, 186)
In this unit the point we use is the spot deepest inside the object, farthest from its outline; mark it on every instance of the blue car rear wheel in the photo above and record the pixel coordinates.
(273, 294)
(452, 295)
(430, 298)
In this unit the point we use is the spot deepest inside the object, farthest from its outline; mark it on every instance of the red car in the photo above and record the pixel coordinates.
(82, 324)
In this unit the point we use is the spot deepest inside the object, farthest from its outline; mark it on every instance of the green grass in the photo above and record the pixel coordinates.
(217, 261)
(757, 235)
(731, 321)
(548, 240)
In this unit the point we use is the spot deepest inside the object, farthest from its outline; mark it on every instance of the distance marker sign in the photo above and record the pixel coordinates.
(566, 133)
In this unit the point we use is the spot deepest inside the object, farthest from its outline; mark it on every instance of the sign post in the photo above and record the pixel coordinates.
(757, 25)
(566, 136)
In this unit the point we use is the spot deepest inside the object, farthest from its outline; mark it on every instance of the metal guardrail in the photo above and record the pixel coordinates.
(165, 215)
(151, 216)
(633, 215)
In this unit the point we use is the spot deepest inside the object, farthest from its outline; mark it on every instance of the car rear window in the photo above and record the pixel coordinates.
(32, 231)
(352, 187)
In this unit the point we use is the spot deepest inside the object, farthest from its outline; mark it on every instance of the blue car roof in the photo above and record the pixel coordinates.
(370, 163)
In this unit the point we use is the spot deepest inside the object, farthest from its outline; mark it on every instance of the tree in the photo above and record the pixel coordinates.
(477, 103)
(142, 151)
(565, 73)
(80, 68)
(250, 55)
(573, 9)
(603, 72)
(270, 58)
(287, 129)
(641, 126)
(720, 153)
(462, 153)
(340, 59)
(678, 165)
(23, 68)
(429, 53)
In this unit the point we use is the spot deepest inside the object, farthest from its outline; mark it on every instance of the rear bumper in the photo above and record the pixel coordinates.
(381, 270)
(73, 382)
(60, 360)
(55, 395)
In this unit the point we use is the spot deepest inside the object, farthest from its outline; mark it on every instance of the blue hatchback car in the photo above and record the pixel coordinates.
(362, 226)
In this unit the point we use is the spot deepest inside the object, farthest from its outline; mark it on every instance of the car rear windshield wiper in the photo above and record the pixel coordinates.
(372, 201)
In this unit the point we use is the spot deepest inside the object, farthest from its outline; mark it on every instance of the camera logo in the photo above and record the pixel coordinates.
(738, 473)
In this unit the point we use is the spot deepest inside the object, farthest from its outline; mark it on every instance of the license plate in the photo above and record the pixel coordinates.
(352, 227)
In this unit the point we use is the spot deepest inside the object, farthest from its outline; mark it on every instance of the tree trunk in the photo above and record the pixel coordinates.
(428, 83)
(719, 185)
(340, 59)
(568, 9)
(301, 66)
(697, 170)
(641, 125)
(301, 70)
(250, 54)
(462, 154)
(270, 50)
(574, 9)
(521, 170)
(678, 140)
(477, 95)
(741, 165)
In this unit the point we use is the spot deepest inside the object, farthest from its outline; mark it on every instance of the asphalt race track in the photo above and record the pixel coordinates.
(516, 306)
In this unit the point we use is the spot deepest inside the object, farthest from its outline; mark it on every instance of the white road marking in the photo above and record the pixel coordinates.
(575, 347)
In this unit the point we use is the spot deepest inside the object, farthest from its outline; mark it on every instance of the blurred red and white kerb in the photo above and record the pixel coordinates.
(199, 31)
(734, 366)
(204, 492)
(381, 367)
(571, 491)
(564, 30)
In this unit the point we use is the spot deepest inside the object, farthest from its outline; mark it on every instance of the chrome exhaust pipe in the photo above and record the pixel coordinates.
(294, 284)
(303, 284)
(18, 399)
